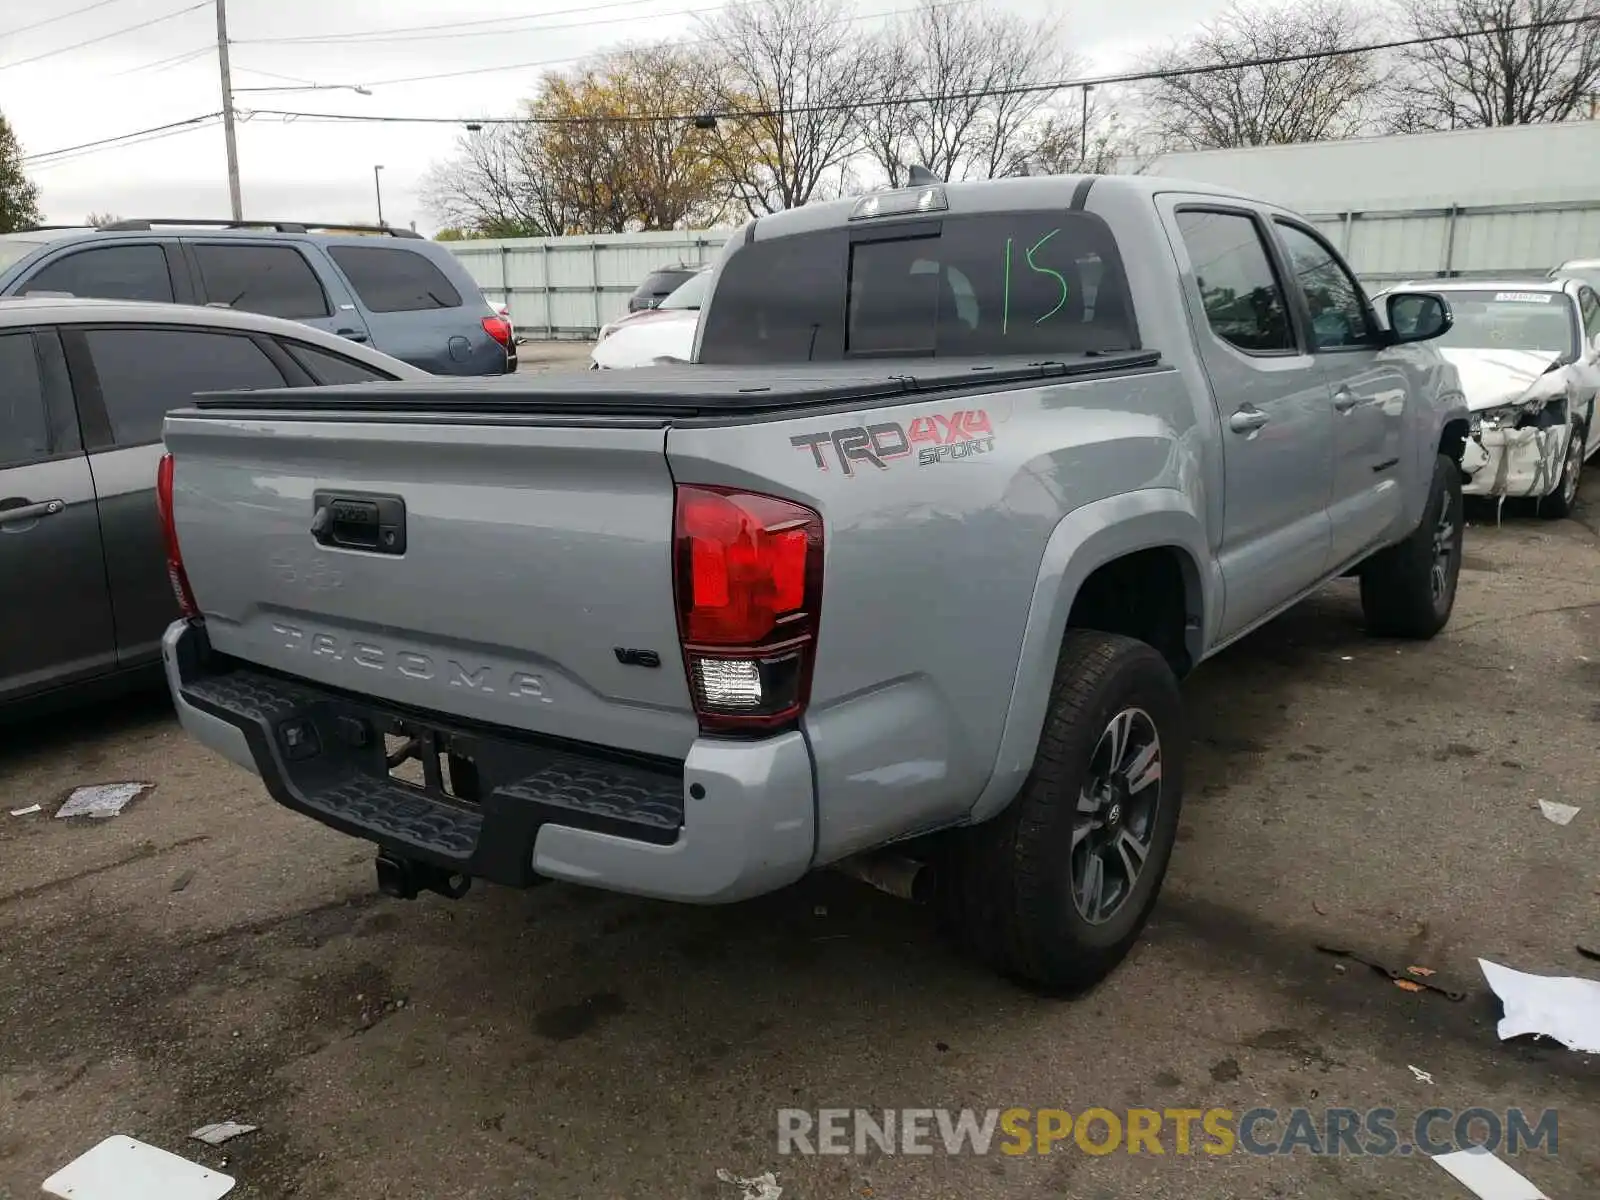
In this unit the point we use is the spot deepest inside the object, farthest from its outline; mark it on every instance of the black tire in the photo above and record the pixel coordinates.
(1005, 888)
(1563, 502)
(1402, 595)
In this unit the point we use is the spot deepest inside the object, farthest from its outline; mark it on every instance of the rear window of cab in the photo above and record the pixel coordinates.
(989, 285)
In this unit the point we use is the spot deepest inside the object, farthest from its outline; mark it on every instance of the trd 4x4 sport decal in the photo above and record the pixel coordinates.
(936, 439)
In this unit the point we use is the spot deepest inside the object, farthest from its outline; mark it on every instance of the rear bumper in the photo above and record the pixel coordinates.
(734, 820)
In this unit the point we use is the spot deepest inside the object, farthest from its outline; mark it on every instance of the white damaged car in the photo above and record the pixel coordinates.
(1528, 352)
(653, 335)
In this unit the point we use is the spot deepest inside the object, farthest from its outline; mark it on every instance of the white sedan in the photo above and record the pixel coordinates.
(653, 335)
(1528, 353)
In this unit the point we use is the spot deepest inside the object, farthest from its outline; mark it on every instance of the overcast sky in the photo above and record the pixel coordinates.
(167, 72)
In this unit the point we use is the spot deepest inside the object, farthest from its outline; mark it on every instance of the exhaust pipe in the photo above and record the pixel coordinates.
(406, 878)
(903, 878)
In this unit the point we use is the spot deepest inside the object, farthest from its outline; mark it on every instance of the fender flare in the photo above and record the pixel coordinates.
(1083, 541)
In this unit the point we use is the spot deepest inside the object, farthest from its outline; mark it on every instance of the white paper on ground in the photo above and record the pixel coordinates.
(222, 1131)
(1564, 1007)
(759, 1187)
(121, 1168)
(1488, 1177)
(27, 812)
(102, 800)
(1561, 814)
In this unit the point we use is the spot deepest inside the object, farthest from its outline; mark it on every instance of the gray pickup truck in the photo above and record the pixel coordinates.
(908, 562)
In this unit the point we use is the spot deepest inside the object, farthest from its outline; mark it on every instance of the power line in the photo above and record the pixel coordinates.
(1060, 85)
(454, 29)
(174, 126)
(571, 58)
(58, 17)
(162, 64)
(105, 37)
(67, 158)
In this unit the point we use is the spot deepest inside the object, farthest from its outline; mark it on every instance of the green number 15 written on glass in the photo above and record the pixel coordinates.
(1005, 314)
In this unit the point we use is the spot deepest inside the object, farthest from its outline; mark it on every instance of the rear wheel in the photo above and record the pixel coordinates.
(1409, 590)
(1564, 500)
(1055, 890)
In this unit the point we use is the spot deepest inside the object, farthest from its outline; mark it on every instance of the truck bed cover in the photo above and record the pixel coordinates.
(679, 391)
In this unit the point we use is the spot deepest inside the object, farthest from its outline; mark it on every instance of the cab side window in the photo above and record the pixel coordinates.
(144, 372)
(24, 425)
(1338, 312)
(107, 273)
(1589, 305)
(1243, 301)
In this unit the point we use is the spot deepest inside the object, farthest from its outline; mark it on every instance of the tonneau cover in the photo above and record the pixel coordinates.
(678, 390)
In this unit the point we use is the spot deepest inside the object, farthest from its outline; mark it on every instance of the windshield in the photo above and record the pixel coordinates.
(691, 294)
(1502, 320)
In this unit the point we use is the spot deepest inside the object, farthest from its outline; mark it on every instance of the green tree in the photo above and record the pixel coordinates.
(19, 195)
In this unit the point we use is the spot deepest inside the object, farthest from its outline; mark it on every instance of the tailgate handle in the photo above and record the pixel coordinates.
(358, 521)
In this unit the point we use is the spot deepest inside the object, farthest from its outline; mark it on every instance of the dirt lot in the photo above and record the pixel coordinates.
(207, 955)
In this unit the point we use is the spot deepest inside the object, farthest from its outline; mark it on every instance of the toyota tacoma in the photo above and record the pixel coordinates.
(904, 567)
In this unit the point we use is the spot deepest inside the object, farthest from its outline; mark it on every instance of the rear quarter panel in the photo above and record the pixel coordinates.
(947, 579)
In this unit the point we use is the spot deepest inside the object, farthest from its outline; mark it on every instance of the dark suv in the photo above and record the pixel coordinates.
(404, 295)
(660, 284)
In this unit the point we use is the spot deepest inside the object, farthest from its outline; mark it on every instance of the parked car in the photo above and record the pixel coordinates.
(84, 385)
(1585, 269)
(660, 284)
(653, 334)
(407, 296)
(908, 561)
(1529, 356)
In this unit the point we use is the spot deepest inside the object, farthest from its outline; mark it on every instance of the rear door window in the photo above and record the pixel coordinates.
(107, 273)
(276, 281)
(1589, 305)
(1045, 283)
(145, 371)
(24, 426)
(329, 368)
(1238, 286)
(395, 280)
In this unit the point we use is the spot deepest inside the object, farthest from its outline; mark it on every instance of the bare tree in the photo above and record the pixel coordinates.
(1083, 133)
(956, 92)
(1265, 101)
(495, 186)
(799, 75)
(1547, 73)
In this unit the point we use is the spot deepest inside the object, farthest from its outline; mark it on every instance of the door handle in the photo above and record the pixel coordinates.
(354, 335)
(31, 512)
(1344, 400)
(1247, 420)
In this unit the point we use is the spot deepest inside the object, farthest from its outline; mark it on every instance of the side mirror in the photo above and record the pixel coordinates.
(1417, 316)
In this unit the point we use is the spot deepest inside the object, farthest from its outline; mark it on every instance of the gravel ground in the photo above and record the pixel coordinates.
(207, 955)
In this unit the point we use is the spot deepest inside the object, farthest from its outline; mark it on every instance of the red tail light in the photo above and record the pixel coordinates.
(748, 577)
(499, 329)
(169, 529)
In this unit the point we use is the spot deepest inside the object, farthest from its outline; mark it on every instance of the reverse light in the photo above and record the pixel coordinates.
(176, 575)
(748, 579)
(499, 329)
(899, 204)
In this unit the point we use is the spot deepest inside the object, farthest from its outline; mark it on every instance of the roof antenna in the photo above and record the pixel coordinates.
(919, 176)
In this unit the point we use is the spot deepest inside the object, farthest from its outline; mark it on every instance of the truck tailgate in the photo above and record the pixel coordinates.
(530, 559)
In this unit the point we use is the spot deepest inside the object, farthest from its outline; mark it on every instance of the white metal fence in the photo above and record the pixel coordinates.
(568, 287)
(1464, 240)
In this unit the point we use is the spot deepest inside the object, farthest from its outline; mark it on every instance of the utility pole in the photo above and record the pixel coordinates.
(227, 111)
(377, 187)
